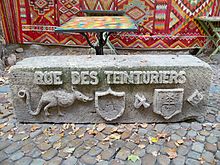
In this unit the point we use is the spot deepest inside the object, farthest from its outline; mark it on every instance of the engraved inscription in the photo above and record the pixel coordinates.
(195, 98)
(145, 77)
(84, 77)
(168, 102)
(110, 104)
(140, 100)
(48, 78)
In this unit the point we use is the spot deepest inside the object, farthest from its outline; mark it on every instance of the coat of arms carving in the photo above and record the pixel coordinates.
(110, 104)
(168, 102)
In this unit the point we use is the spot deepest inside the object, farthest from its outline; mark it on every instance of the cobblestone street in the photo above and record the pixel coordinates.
(189, 142)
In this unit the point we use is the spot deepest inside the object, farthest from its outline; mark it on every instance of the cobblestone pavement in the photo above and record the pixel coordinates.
(191, 142)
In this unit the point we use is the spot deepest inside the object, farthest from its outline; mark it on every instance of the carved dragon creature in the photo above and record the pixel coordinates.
(53, 98)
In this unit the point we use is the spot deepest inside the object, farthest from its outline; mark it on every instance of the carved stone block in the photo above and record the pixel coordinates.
(114, 89)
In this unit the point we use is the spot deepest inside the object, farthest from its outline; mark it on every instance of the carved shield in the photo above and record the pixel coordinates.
(110, 104)
(168, 102)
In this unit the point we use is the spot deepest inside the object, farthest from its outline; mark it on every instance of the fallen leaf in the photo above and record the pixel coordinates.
(98, 158)
(34, 128)
(115, 136)
(162, 135)
(57, 145)
(92, 132)
(180, 141)
(153, 140)
(133, 158)
(10, 136)
(172, 153)
(141, 146)
(69, 150)
(25, 138)
(66, 126)
(2, 126)
(154, 153)
(100, 127)
(144, 125)
(114, 129)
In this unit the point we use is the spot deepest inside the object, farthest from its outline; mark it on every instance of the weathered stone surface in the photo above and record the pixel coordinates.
(162, 83)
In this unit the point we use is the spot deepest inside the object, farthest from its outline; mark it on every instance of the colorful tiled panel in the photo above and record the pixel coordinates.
(101, 24)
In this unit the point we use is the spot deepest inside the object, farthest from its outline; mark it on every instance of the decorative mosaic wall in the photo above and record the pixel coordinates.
(161, 23)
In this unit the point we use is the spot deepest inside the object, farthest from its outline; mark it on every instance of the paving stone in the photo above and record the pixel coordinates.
(36, 133)
(44, 146)
(62, 153)
(118, 144)
(102, 162)
(3, 156)
(175, 137)
(13, 147)
(152, 148)
(91, 142)
(28, 148)
(75, 143)
(159, 127)
(87, 159)
(192, 162)
(216, 133)
(38, 162)
(142, 131)
(179, 160)
(54, 161)
(163, 160)
(4, 144)
(18, 137)
(49, 154)
(138, 162)
(149, 158)
(208, 156)
(130, 145)
(24, 161)
(175, 125)
(211, 147)
(70, 161)
(54, 138)
(170, 144)
(218, 145)
(81, 150)
(100, 136)
(211, 139)
(103, 145)
(117, 162)
(123, 153)
(181, 132)
(210, 118)
(139, 152)
(7, 162)
(185, 125)
(191, 133)
(200, 138)
(17, 155)
(107, 154)
(196, 126)
(198, 147)
(95, 151)
(204, 133)
(183, 150)
(217, 155)
(194, 155)
(35, 153)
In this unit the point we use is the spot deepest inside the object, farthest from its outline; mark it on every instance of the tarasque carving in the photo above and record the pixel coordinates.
(168, 102)
(140, 100)
(110, 104)
(53, 98)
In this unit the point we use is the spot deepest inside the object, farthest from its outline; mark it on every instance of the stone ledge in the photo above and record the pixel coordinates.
(112, 88)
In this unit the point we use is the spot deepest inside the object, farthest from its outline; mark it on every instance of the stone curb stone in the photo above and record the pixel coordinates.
(143, 88)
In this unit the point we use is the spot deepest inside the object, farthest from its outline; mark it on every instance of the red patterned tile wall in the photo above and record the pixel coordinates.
(161, 23)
